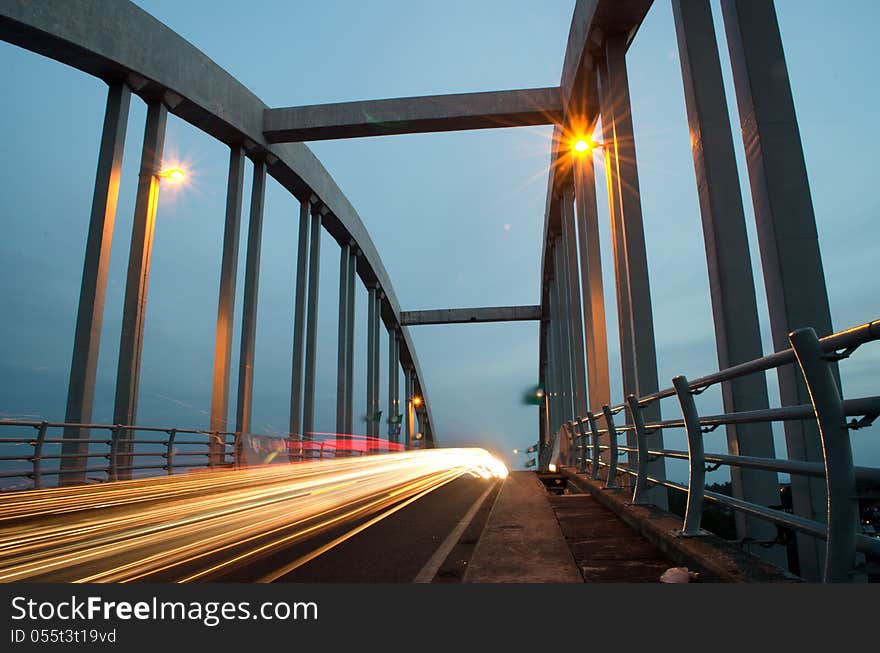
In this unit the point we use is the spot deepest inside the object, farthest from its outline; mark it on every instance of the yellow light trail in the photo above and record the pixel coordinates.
(196, 527)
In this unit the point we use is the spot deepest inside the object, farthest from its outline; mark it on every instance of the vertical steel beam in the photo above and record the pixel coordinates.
(567, 340)
(226, 304)
(377, 406)
(393, 390)
(545, 375)
(618, 242)
(620, 151)
(408, 413)
(349, 345)
(787, 235)
(593, 294)
(557, 412)
(251, 292)
(137, 280)
(299, 323)
(553, 361)
(569, 257)
(372, 359)
(398, 413)
(732, 288)
(93, 288)
(341, 349)
(312, 323)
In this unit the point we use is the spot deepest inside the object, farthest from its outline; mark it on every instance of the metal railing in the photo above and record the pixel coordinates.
(119, 455)
(110, 457)
(815, 358)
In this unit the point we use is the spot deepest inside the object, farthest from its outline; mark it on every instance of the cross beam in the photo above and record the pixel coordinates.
(432, 113)
(468, 315)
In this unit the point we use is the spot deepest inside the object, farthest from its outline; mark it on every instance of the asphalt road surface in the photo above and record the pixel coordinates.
(402, 517)
(398, 548)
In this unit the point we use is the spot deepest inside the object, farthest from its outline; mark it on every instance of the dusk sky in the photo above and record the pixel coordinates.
(456, 217)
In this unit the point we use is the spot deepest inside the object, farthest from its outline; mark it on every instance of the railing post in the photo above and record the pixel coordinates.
(611, 480)
(840, 478)
(115, 438)
(594, 459)
(169, 453)
(696, 458)
(38, 454)
(236, 450)
(582, 467)
(638, 420)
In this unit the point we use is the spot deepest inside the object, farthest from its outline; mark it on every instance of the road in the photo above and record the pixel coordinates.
(399, 548)
(374, 518)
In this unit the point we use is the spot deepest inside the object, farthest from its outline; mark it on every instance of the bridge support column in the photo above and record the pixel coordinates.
(251, 292)
(349, 342)
(372, 360)
(299, 321)
(638, 352)
(569, 260)
(342, 346)
(226, 304)
(408, 413)
(556, 364)
(565, 337)
(592, 292)
(563, 346)
(137, 280)
(547, 371)
(308, 427)
(787, 235)
(556, 401)
(393, 385)
(377, 405)
(732, 288)
(90, 313)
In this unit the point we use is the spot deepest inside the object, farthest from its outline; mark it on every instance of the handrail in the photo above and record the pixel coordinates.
(166, 456)
(814, 357)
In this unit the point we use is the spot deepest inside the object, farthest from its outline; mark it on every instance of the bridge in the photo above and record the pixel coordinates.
(125, 501)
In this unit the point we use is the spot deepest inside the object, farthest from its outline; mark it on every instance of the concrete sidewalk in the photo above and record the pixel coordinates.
(522, 541)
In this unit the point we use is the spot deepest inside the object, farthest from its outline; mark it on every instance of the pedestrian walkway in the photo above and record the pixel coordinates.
(522, 541)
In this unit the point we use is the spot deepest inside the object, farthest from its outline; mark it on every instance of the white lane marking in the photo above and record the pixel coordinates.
(426, 575)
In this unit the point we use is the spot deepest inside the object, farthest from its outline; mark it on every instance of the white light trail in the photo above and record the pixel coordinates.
(198, 526)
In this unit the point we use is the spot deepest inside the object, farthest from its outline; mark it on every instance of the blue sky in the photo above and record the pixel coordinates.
(456, 217)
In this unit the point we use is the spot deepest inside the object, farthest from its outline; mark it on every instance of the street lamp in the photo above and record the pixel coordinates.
(583, 146)
(417, 401)
(173, 174)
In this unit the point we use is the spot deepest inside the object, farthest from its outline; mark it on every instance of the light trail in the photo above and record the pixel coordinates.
(198, 526)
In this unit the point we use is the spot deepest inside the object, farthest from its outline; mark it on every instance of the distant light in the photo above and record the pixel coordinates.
(551, 467)
(581, 145)
(175, 174)
(417, 401)
(539, 394)
(517, 451)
